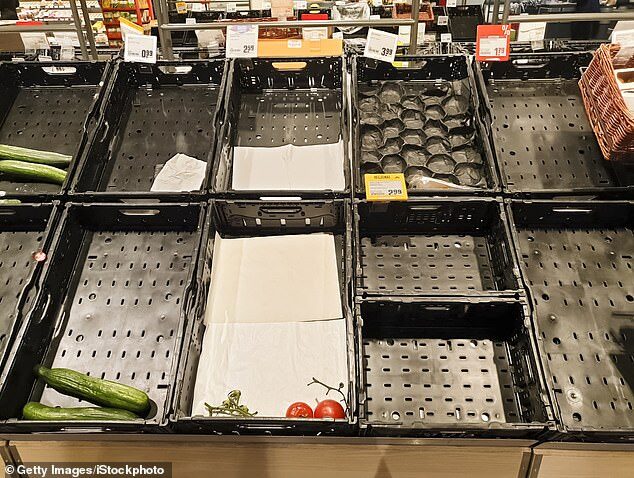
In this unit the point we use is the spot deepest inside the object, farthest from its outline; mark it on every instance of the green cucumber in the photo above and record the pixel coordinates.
(34, 156)
(32, 172)
(37, 411)
(95, 390)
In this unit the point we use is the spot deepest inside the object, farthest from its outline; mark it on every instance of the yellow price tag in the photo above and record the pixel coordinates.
(385, 187)
(181, 7)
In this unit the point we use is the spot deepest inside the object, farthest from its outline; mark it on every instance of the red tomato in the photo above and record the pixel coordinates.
(299, 410)
(329, 409)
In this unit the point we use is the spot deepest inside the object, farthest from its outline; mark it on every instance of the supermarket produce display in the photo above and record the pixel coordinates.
(205, 259)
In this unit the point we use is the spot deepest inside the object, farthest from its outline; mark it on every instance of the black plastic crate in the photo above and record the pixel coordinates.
(420, 116)
(24, 232)
(542, 137)
(577, 260)
(459, 367)
(453, 246)
(151, 113)
(464, 21)
(48, 106)
(274, 102)
(113, 302)
(271, 222)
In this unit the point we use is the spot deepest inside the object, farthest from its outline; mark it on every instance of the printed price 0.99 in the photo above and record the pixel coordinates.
(386, 51)
(147, 53)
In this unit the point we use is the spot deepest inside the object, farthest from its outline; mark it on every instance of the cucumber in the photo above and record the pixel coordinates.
(41, 173)
(94, 390)
(37, 411)
(34, 156)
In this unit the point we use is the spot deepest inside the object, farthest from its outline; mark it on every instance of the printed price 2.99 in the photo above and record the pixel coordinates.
(248, 49)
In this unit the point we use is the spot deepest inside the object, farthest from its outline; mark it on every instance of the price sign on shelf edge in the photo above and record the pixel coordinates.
(493, 42)
(140, 48)
(385, 187)
(452, 3)
(381, 45)
(242, 41)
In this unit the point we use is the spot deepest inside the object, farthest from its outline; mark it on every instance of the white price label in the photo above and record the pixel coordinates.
(381, 45)
(198, 7)
(452, 3)
(301, 5)
(337, 35)
(140, 48)
(445, 38)
(493, 46)
(44, 58)
(190, 21)
(375, 17)
(266, 5)
(294, 43)
(242, 41)
(231, 7)
(404, 34)
(442, 20)
(377, 3)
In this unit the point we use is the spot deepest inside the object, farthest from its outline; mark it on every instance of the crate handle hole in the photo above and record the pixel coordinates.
(176, 70)
(289, 65)
(59, 70)
(139, 212)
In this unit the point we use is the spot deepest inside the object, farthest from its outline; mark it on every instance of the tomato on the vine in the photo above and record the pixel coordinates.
(329, 409)
(299, 410)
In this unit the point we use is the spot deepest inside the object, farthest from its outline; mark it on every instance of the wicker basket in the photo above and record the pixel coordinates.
(611, 120)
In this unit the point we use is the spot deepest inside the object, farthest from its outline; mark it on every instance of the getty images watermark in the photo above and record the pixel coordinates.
(79, 470)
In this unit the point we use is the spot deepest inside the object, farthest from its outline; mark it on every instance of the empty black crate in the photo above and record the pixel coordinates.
(24, 230)
(152, 113)
(449, 367)
(420, 116)
(271, 103)
(113, 303)
(50, 108)
(541, 134)
(577, 261)
(431, 247)
(464, 21)
(278, 220)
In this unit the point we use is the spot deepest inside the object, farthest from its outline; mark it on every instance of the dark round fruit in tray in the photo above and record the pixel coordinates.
(435, 128)
(413, 136)
(449, 178)
(466, 155)
(388, 112)
(441, 164)
(393, 164)
(468, 174)
(371, 168)
(371, 118)
(369, 105)
(460, 139)
(392, 146)
(391, 93)
(413, 119)
(437, 145)
(414, 155)
(370, 156)
(393, 128)
(456, 105)
(370, 90)
(371, 138)
(434, 112)
(413, 103)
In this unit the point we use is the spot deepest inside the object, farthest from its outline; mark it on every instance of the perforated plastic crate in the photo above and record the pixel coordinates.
(272, 103)
(577, 261)
(317, 218)
(420, 116)
(459, 367)
(151, 113)
(464, 21)
(434, 247)
(113, 303)
(48, 107)
(24, 231)
(543, 141)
